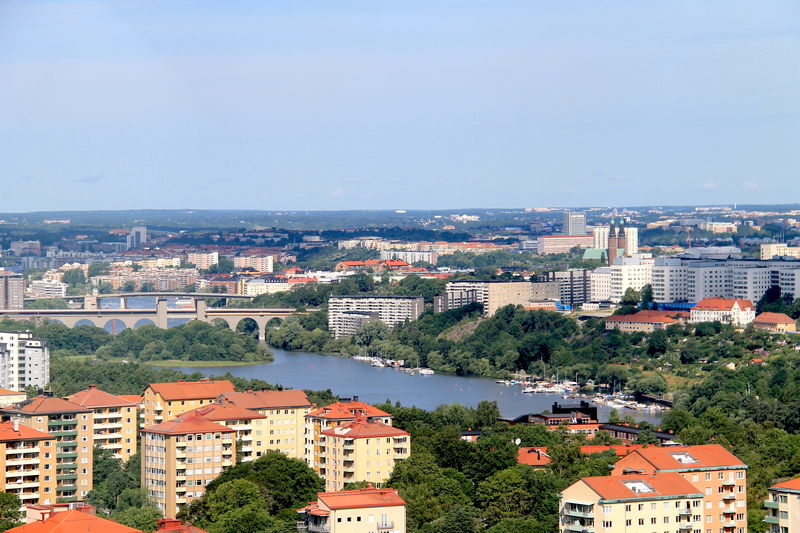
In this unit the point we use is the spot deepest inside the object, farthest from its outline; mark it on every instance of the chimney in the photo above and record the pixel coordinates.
(92, 386)
(15, 424)
(355, 398)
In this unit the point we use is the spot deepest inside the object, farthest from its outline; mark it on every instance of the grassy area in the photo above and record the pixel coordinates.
(180, 362)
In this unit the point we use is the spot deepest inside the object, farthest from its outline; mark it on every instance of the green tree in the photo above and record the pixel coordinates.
(143, 519)
(647, 297)
(371, 332)
(631, 297)
(74, 277)
(10, 515)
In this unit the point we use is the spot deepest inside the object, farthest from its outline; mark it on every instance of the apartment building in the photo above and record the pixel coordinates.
(600, 284)
(574, 285)
(28, 463)
(259, 263)
(361, 451)
(738, 313)
(334, 415)
(783, 507)
(24, 361)
(367, 510)
(286, 410)
(248, 425)
(391, 310)
(411, 256)
(562, 244)
(775, 323)
(768, 251)
(165, 401)
(203, 260)
(181, 456)
(11, 290)
(72, 426)
(640, 503)
(10, 397)
(492, 294)
(646, 321)
(116, 420)
(43, 288)
(716, 473)
(629, 273)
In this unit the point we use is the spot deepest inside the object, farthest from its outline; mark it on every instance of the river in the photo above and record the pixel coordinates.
(347, 377)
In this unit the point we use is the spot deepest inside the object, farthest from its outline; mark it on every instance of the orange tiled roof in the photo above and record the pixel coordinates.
(188, 423)
(48, 405)
(774, 318)
(94, 397)
(663, 484)
(533, 456)
(268, 399)
(226, 411)
(792, 484)
(360, 429)
(721, 304)
(355, 499)
(7, 433)
(136, 398)
(73, 521)
(171, 524)
(6, 392)
(347, 411)
(636, 317)
(705, 455)
(192, 390)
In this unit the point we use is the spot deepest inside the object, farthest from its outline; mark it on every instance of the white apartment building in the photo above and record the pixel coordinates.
(630, 273)
(492, 294)
(768, 251)
(24, 361)
(728, 311)
(391, 310)
(600, 284)
(411, 256)
(203, 260)
(41, 288)
(254, 287)
(259, 263)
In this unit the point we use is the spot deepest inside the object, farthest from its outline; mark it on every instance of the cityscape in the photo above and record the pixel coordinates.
(410, 267)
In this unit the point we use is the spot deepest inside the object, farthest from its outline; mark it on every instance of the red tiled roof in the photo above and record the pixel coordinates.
(268, 399)
(171, 524)
(360, 429)
(192, 390)
(774, 318)
(792, 484)
(6, 392)
(136, 398)
(639, 318)
(356, 499)
(187, 423)
(94, 397)
(663, 484)
(73, 521)
(347, 411)
(7, 433)
(227, 411)
(721, 304)
(302, 280)
(48, 405)
(537, 455)
(705, 455)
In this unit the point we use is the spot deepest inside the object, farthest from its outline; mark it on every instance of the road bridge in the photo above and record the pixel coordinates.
(162, 316)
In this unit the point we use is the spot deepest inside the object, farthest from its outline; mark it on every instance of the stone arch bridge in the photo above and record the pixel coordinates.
(162, 316)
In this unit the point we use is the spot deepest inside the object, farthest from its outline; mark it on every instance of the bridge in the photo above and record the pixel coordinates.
(90, 301)
(162, 316)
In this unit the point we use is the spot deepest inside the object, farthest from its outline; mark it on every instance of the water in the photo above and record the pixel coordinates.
(347, 377)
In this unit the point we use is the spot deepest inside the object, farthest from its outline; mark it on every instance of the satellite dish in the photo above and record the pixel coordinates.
(518, 441)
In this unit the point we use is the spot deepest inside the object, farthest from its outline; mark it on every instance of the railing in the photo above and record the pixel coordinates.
(319, 528)
(771, 504)
(387, 524)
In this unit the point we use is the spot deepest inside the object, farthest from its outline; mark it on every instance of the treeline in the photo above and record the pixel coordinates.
(194, 341)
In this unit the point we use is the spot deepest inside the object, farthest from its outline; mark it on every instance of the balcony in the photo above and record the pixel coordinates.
(56, 423)
(728, 524)
(319, 528)
(728, 496)
(66, 488)
(23, 449)
(67, 455)
(728, 483)
(771, 504)
(66, 466)
(578, 512)
(64, 433)
(21, 473)
(685, 512)
(66, 477)
(579, 528)
(771, 519)
(385, 525)
(24, 461)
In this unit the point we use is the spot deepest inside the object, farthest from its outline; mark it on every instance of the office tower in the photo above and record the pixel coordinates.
(137, 237)
(574, 223)
(11, 293)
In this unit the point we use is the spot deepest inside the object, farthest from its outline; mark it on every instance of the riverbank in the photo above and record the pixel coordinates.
(201, 364)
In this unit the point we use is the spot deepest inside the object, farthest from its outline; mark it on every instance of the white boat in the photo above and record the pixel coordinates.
(377, 364)
(426, 371)
(528, 390)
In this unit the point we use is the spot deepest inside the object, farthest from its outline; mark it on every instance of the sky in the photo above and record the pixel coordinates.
(286, 105)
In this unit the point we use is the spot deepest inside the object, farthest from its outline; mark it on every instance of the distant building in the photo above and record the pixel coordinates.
(136, 238)
(203, 260)
(24, 361)
(411, 256)
(25, 248)
(11, 290)
(768, 251)
(365, 510)
(545, 290)
(574, 223)
(116, 420)
(630, 273)
(391, 310)
(561, 244)
(41, 288)
(492, 294)
(736, 312)
(775, 323)
(259, 263)
(646, 321)
(600, 284)
(165, 401)
(574, 285)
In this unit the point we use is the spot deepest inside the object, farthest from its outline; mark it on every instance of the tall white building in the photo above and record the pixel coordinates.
(136, 238)
(24, 361)
(630, 273)
(631, 239)
(391, 310)
(574, 223)
(600, 284)
(42, 288)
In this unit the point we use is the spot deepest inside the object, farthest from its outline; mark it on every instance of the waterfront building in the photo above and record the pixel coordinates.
(492, 294)
(391, 310)
(165, 401)
(29, 463)
(367, 510)
(24, 361)
(72, 425)
(285, 411)
(116, 420)
(181, 456)
(11, 290)
(634, 504)
(360, 451)
(719, 476)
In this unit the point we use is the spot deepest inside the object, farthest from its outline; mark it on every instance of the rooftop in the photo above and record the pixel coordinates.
(355, 499)
(664, 484)
(187, 423)
(8, 433)
(73, 521)
(192, 390)
(46, 405)
(774, 318)
(721, 304)
(347, 411)
(268, 399)
(225, 411)
(361, 428)
(94, 397)
(792, 484)
(680, 458)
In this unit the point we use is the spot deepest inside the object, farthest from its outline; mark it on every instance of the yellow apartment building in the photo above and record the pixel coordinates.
(10, 397)
(664, 502)
(180, 457)
(361, 451)
(284, 428)
(245, 422)
(718, 474)
(334, 415)
(73, 427)
(116, 420)
(368, 510)
(28, 463)
(783, 507)
(165, 401)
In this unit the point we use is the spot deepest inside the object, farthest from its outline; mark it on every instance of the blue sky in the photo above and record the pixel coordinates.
(412, 104)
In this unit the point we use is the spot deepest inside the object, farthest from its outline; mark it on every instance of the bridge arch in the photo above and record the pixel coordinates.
(143, 322)
(220, 323)
(115, 325)
(248, 326)
(85, 322)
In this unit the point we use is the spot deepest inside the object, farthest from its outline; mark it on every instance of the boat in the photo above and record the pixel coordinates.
(377, 364)
(528, 390)
(426, 372)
